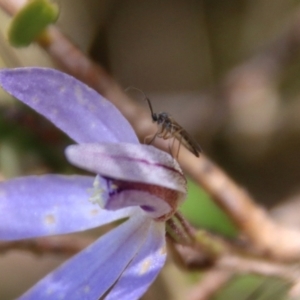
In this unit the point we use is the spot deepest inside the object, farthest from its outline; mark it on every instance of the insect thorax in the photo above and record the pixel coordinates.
(163, 118)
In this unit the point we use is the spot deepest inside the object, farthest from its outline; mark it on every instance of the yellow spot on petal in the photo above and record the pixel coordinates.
(80, 100)
(91, 107)
(22, 187)
(79, 96)
(49, 290)
(2, 193)
(163, 250)
(145, 266)
(50, 220)
(54, 112)
(35, 100)
(114, 186)
(62, 89)
(94, 212)
(78, 91)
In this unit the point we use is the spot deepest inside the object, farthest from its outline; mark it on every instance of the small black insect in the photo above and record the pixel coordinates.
(169, 128)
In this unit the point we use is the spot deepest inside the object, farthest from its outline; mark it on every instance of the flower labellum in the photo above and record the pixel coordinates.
(136, 183)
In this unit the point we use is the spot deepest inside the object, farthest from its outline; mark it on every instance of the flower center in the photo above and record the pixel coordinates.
(159, 202)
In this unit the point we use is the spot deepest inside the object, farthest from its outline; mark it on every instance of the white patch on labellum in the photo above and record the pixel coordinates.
(96, 193)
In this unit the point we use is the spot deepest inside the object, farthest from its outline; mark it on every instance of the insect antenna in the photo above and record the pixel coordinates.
(151, 109)
(145, 98)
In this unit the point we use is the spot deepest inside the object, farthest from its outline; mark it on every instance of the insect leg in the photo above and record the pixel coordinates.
(152, 138)
(177, 136)
(158, 133)
(170, 148)
(174, 138)
(180, 140)
(166, 133)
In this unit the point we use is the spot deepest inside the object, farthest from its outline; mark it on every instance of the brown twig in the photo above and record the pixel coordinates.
(245, 265)
(267, 65)
(11, 7)
(221, 270)
(253, 221)
(212, 281)
(222, 254)
(233, 263)
(64, 245)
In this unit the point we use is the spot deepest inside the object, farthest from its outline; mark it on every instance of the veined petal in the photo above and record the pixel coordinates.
(71, 105)
(51, 204)
(144, 268)
(129, 162)
(93, 271)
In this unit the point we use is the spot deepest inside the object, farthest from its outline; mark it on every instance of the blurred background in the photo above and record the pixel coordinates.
(227, 70)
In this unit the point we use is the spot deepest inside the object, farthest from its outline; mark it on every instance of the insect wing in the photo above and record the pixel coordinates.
(185, 139)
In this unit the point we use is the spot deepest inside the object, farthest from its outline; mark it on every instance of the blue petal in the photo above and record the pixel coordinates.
(72, 106)
(144, 268)
(93, 271)
(51, 204)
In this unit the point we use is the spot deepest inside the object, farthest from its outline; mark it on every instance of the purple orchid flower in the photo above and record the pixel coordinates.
(134, 182)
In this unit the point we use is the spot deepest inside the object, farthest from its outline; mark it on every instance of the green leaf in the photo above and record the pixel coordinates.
(31, 21)
(254, 287)
(202, 212)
